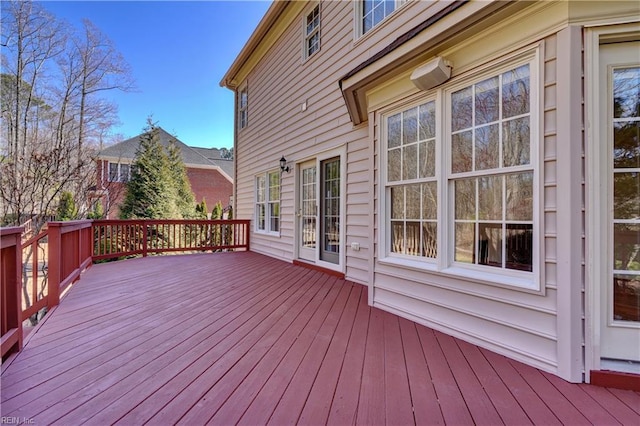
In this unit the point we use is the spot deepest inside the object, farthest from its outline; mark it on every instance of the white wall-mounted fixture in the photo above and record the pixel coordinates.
(304, 106)
(432, 74)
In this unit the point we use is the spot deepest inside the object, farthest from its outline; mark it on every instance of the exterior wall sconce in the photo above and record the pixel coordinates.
(431, 74)
(283, 165)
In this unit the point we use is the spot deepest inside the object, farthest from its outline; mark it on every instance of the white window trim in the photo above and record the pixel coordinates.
(444, 264)
(119, 177)
(267, 216)
(358, 17)
(306, 37)
(241, 125)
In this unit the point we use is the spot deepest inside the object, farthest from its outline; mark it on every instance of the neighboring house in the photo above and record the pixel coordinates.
(475, 164)
(211, 176)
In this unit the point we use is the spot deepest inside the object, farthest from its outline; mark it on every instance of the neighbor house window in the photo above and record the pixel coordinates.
(372, 12)
(243, 102)
(119, 172)
(268, 202)
(312, 32)
(487, 146)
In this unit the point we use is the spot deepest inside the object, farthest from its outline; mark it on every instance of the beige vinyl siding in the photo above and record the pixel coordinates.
(509, 321)
(278, 85)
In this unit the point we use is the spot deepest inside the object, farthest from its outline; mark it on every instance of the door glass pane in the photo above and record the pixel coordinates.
(330, 220)
(309, 208)
(626, 195)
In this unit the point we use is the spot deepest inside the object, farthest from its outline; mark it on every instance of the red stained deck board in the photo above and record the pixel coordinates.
(153, 394)
(454, 407)
(478, 402)
(230, 383)
(318, 404)
(588, 406)
(399, 407)
(345, 400)
(371, 405)
(264, 402)
(423, 395)
(239, 401)
(524, 394)
(294, 398)
(231, 336)
(614, 406)
(506, 405)
(562, 408)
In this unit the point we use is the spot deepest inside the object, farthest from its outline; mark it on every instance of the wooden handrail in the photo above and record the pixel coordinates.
(10, 287)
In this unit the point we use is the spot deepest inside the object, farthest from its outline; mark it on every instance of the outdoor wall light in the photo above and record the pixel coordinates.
(283, 165)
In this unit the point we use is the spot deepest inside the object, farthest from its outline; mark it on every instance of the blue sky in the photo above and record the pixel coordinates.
(178, 52)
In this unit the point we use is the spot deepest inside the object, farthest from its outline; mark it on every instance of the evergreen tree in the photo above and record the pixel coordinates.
(151, 192)
(185, 200)
(201, 210)
(217, 211)
(66, 207)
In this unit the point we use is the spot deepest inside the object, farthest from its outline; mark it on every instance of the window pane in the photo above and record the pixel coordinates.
(515, 92)
(274, 214)
(626, 247)
(412, 208)
(412, 238)
(461, 152)
(394, 166)
(487, 147)
(113, 172)
(378, 13)
(260, 213)
(394, 130)
(490, 198)
(430, 200)
(626, 195)
(464, 240)
(427, 118)
(626, 144)
(626, 93)
(487, 96)
(397, 202)
(124, 173)
(410, 126)
(410, 162)
(516, 142)
(429, 239)
(260, 189)
(427, 159)
(461, 109)
(490, 244)
(626, 297)
(520, 196)
(519, 246)
(465, 193)
(397, 237)
(274, 186)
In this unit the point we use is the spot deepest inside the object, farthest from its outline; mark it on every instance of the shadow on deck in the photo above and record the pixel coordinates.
(243, 338)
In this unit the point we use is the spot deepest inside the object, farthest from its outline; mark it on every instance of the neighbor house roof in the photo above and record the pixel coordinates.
(192, 157)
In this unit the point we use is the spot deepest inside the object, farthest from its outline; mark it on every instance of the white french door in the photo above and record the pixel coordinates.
(620, 124)
(319, 211)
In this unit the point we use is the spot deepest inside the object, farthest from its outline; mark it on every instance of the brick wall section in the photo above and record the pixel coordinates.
(207, 184)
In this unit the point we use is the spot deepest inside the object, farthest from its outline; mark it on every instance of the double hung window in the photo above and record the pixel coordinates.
(486, 145)
(268, 202)
(119, 172)
(243, 103)
(372, 12)
(312, 32)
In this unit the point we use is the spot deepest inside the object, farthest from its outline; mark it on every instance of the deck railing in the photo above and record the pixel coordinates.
(57, 256)
(10, 287)
(121, 238)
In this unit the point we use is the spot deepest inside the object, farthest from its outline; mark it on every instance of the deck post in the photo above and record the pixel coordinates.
(145, 238)
(54, 263)
(11, 289)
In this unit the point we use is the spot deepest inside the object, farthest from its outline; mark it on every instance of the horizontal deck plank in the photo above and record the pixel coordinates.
(241, 338)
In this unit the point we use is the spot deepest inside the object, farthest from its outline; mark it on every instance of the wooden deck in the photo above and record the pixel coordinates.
(240, 338)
